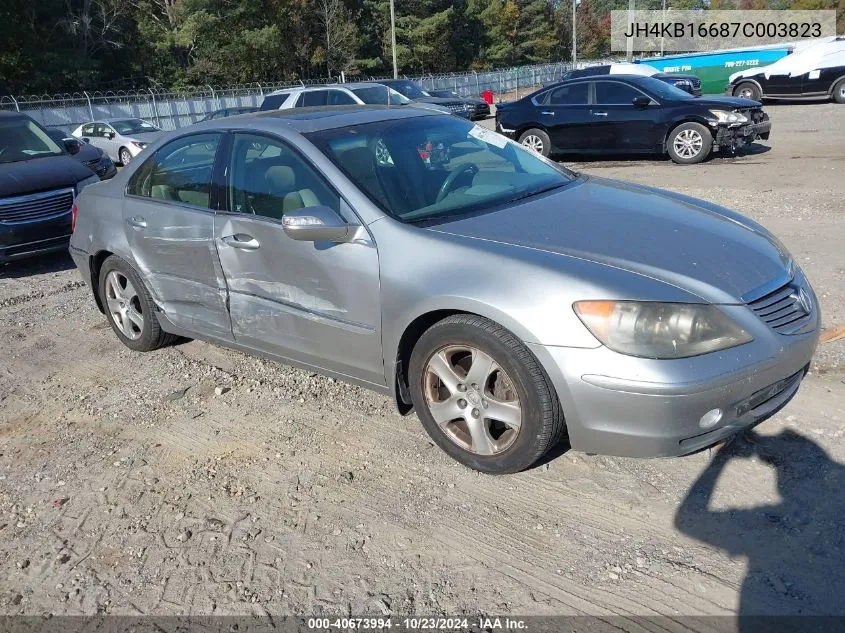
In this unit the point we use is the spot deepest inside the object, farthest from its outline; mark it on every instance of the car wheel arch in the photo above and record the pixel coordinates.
(675, 124)
(95, 266)
(748, 80)
(415, 328)
(835, 83)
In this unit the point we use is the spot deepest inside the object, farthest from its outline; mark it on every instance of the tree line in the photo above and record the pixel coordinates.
(71, 45)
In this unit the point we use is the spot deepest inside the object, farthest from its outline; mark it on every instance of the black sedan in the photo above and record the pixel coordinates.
(413, 91)
(622, 114)
(89, 155)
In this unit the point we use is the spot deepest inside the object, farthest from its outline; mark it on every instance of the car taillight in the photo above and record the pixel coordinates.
(74, 211)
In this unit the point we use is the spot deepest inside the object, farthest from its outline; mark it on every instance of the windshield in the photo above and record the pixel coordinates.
(437, 166)
(379, 95)
(409, 89)
(662, 90)
(23, 139)
(133, 126)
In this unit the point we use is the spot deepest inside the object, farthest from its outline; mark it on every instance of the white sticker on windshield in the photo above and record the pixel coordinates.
(488, 136)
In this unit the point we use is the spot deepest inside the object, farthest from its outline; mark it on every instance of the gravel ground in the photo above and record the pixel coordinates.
(196, 480)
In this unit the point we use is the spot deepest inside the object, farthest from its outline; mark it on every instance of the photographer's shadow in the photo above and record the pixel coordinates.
(795, 548)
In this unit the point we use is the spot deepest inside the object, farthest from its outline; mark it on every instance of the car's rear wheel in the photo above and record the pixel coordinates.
(748, 90)
(536, 140)
(482, 396)
(839, 91)
(129, 307)
(125, 156)
(689, 143)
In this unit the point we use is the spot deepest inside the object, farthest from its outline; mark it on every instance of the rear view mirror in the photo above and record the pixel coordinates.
(641, 101)
(72, 145)
(316, 224)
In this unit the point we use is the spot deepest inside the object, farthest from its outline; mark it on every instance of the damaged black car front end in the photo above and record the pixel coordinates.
(734, 128)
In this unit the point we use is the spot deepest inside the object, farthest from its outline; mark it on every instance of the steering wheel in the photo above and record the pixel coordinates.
(446, 187)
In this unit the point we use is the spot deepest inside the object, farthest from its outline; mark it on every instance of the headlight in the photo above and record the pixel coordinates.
(660, 330)
(139, 144)
(724, 116)
(91, 180)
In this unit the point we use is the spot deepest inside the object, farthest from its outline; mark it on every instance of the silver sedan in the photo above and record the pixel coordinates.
(120, 139)
(510, 302)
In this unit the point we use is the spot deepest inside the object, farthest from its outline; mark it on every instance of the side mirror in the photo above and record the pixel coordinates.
(316, 224)
(72, 145)
(641, 101)
(85, 139)
(109, 135)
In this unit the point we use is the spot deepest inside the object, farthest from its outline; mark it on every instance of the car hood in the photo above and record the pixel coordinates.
(710, 252)
(40, 174)
(444, 101)
(144, 137)
(726, 102)
(675, 76)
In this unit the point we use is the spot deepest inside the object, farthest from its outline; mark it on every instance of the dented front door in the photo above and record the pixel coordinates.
(312, 302)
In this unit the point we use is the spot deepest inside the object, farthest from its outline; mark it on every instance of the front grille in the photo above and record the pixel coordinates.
(98, 166)
(786, 310)
(37, 206)
(457, 107)
(755, 115)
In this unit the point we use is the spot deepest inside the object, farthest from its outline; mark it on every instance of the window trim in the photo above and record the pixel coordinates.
(223, 200)
(212, 198)
(594, 92)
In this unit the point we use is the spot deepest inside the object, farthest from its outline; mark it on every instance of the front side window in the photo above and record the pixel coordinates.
(570, 94)
(21, 139)
(179, 172)
(339, 97)
(615, 93)
(436, 166)
(312, 98)
(269, 179)
(380, 95)
(88, 129)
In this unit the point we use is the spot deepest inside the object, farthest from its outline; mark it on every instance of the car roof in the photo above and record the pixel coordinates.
(314, 119)
(9, 114)
(349, 86)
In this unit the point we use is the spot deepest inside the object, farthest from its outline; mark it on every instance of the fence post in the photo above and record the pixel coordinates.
(517, 84)
(214, 96)
(90, 109)
(260, 89)
(155, 107)
(477, 89)
(15, 101)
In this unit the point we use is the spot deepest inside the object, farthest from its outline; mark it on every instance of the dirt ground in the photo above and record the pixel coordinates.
(127, 486)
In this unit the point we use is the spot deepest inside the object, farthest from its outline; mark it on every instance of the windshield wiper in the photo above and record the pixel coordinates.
(537, 192)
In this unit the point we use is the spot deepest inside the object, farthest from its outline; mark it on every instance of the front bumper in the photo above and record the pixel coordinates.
(635, 407)
(735, 137)
(28, 239)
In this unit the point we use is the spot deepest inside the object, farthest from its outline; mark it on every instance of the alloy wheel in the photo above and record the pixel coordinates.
(125, 157)
(746, 93)
(124, 305)
(472, 399)
(688, 143)
(533, 142)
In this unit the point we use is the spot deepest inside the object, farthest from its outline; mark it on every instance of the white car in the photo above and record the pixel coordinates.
(341, 94)
(120, 139)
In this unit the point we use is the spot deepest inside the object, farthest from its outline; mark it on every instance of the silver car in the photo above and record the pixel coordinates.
(120, 139)
(509, 301)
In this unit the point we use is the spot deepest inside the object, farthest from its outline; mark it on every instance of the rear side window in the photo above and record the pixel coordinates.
(572, 94)
(179, 172)
(615, 93)
(338, 97)
(274, 102)
(88, 130)
(312, 98)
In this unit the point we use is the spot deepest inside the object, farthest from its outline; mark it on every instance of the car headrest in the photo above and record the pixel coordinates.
(280, 178)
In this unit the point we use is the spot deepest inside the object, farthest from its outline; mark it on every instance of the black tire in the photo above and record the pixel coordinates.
(151, 335)
(706, 143)
(542, 423)
(750, 88)
(125, 156)
(541, 137)
(839, 91)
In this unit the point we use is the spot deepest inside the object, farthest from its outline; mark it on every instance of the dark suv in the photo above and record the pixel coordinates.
(414, 92)
(39, 181)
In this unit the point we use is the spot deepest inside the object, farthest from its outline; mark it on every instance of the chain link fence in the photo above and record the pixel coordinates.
(172, 110)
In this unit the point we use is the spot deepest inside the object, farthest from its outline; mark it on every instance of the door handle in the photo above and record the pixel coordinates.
(548, 112)
(241, 241)
(599, 113)
(136, 222)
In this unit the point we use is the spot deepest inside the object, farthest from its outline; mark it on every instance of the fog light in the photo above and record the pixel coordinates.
(711, 418)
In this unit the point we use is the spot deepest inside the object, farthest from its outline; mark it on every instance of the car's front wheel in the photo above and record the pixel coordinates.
(129, 307)
(536, 140)
(689, 143)
(125, 156)
(482, 396)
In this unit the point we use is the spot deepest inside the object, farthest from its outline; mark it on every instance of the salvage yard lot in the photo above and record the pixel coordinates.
(199, 480)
